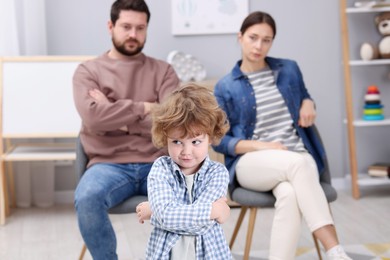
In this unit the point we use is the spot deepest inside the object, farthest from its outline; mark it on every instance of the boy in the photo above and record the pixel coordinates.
(186, 190)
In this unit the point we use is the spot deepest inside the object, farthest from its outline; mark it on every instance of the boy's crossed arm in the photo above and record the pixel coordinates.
(220, 211)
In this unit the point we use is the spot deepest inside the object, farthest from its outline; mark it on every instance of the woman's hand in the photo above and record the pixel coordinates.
(245, 146)
(143, 211)
(272, 145)
(307, 113)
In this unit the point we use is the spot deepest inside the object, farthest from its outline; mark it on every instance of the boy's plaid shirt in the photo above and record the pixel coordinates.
(175, 215)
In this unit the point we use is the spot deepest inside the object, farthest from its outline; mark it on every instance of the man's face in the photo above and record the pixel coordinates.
(129, 32)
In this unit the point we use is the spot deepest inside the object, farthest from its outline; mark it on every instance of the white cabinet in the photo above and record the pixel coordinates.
(357, 27)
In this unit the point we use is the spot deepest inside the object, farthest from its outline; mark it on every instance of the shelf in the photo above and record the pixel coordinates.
(44, 152)
(353, 10)
(362, 123)
(369, 62)
(366, 180)
(351, 67)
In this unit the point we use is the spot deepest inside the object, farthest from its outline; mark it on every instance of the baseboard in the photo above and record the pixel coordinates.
(341, 183)
(64, 197)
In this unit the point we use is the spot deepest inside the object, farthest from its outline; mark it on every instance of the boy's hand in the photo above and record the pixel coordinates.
(143, 211)
(220, 210)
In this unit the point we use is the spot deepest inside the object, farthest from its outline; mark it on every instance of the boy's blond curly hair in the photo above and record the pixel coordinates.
(193, 110)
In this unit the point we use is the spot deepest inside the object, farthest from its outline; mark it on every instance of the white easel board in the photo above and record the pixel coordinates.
(37, 96)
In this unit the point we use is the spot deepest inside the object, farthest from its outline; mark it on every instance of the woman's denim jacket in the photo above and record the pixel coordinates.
(236, 97)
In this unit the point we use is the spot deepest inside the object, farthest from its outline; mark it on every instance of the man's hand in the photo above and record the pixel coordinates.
(98, 96)
(307, 113)
(143, 211)
(220, 210)
(148, 107)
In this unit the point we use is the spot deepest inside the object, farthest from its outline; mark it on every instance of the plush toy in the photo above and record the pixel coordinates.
(369, 51)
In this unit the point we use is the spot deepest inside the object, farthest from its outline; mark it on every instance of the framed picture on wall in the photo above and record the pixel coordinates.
(191, 17)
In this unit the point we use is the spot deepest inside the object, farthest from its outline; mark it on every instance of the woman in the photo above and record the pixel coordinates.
(270, 144)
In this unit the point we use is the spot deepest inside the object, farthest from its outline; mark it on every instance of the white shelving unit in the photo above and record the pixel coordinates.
(368, 63)
(352, 121)
(365, 180)
(351, 10)
(361, 123)
(369, 123)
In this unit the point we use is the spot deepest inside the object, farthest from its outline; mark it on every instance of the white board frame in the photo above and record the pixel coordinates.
(37, 96)
(197, 17)
(36, 101)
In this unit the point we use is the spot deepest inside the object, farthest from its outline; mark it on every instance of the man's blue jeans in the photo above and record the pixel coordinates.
(103, 186)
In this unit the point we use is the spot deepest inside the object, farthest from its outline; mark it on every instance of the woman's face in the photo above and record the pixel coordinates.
(256, 42)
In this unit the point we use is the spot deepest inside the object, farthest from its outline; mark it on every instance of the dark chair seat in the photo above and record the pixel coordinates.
(266, 199)
(129, 205)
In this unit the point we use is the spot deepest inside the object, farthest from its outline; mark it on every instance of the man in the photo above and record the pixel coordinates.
(114, 94)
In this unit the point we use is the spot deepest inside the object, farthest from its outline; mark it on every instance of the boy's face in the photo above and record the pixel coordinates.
(188, 152)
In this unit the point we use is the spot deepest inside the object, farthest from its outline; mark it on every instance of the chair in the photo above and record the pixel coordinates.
(126, 207)
(253, 200)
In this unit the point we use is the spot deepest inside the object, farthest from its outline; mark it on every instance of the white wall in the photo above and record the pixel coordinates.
(308, 31)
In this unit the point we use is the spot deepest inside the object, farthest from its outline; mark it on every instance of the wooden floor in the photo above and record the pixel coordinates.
(52, 233)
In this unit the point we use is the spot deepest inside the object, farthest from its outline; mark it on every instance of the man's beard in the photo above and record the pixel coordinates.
(121, 48)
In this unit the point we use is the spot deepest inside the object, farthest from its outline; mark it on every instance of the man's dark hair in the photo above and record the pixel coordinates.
(134, 5)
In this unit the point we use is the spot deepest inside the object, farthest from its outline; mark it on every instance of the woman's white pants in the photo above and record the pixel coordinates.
(294, 180)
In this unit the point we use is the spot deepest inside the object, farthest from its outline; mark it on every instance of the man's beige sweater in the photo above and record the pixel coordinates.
(127, 83)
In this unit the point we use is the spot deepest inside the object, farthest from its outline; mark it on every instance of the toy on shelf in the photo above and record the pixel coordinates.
(372, 104)
(381, 50)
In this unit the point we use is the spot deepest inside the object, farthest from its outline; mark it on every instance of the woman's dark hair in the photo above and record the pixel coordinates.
(256, 18)
(134, 5)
